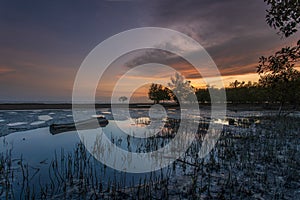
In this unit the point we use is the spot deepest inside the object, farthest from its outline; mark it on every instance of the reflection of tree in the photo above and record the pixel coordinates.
(168, 143)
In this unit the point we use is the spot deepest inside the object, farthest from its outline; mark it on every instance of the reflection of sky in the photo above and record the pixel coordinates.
(44, 43)
(38, 148)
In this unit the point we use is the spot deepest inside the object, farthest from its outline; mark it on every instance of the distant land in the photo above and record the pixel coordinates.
(34, 106)
(230, 106)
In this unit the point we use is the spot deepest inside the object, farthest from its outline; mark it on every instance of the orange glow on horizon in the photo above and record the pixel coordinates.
(253, 77)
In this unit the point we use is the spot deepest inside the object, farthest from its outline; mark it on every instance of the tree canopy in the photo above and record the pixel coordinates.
(182, 89)
(283, 15)
(123, 98)
(277, 72)
(159, 93)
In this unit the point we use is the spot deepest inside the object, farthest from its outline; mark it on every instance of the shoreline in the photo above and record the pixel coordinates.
(38, 106)
(232, 107)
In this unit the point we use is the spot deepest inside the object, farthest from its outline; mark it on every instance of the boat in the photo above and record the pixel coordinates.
(82, 125)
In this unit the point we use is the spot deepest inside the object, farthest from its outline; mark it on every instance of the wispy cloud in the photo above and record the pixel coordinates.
(43, 44)
(233, 32)
(6, 70)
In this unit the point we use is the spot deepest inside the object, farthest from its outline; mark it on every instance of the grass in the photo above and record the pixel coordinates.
(257, 161)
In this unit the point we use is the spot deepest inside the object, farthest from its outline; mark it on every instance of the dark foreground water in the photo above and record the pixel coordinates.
(256, 157)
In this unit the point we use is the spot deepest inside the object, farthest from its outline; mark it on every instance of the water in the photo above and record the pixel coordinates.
(40, 159)
(38, 150)
(35, 162)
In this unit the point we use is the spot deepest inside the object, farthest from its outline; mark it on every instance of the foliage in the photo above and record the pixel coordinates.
(202, 95)
(283, 15)
(123, 99)
(159, 93)
(282, 63)
(278, 73)
(241, 92)
(182, 90)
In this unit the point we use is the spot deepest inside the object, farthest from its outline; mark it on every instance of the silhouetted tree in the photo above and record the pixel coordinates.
(182, 90)
(278, 73)
(203, 95)
(241, 92)
(283, 15)
(123, 99)
(159, 93)
(235, 92)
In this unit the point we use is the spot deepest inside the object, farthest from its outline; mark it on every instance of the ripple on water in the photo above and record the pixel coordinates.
(16, 123)
(44, 117)
(37, 123)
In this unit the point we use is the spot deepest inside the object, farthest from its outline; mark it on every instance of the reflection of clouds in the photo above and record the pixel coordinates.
(135, 148)
(94, 141)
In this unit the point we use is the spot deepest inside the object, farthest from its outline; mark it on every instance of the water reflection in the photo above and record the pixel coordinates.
(53, 159)
(44, 161)
(37, 163)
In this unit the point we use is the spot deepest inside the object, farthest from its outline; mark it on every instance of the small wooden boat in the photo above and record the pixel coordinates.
(83, 125)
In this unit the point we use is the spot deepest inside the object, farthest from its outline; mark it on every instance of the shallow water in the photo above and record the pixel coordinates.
(20, 120)
(46, 157)
(38, 149)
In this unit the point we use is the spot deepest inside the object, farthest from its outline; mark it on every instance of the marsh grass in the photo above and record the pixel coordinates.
(252, 161)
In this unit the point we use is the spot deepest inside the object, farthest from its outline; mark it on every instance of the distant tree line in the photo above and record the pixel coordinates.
(237, 93)
(279, 83)
(262, 92)
(279, 80)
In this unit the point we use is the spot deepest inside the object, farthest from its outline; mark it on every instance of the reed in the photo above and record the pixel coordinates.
(254, 161)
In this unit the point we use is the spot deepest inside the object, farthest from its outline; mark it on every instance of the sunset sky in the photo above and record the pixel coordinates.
(43, 43)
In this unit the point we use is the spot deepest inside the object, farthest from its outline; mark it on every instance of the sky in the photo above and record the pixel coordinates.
(43, 43)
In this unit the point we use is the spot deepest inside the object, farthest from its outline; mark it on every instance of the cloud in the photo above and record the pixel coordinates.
(165, 58)
(6, 70)
(211, 22)
(42, 46)
(233, 32)
(29, 79)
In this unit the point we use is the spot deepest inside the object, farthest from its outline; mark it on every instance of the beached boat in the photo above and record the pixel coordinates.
(83, 125)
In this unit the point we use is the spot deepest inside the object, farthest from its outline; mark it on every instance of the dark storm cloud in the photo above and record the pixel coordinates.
(234, 32)
(165, 58)
(212, 20)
